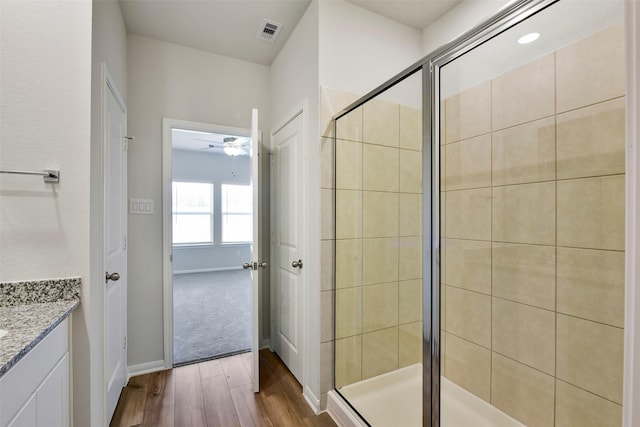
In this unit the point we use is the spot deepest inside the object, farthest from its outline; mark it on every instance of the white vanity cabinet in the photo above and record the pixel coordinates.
(35, 392)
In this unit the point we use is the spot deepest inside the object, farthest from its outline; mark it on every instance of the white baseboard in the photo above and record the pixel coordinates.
(341, 412)
(145, 368)
(206, 270)
(312, 400)
(266, 344)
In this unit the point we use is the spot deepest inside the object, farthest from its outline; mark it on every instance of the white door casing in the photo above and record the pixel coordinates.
(288, 185)
(167, 174)
(115, 145)
(255, 251)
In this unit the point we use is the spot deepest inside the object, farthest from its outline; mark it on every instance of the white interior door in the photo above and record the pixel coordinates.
(256, 263)
(115, 228)
(287, 220)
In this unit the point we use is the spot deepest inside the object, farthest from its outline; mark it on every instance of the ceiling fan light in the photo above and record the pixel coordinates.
(231, 150)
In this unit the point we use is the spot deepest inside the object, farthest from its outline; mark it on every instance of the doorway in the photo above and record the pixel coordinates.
(211, 216)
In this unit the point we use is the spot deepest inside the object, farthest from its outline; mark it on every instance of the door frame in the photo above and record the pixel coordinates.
(310, 324)
(108, 84)
(167, 229)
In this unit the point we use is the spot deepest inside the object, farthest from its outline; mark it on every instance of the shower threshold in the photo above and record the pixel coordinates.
(395, 398)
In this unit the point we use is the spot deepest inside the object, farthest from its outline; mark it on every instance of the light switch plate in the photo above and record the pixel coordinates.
(141, 207)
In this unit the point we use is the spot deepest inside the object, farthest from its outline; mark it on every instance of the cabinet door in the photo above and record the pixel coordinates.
(24, 379)
(27, 415)
(53, 397)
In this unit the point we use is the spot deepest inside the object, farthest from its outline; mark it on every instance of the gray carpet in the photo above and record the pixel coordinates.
(211, 315)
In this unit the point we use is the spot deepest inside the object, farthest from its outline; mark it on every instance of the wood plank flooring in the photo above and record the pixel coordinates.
(217, 393)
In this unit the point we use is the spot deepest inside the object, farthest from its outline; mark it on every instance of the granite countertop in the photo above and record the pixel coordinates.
(29, 311)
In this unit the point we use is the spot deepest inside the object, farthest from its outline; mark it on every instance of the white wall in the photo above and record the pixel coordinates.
(45, 124)
(45, 87)
(294, 73)
(218, 169)
(294, 78)
(109, 45)
(168, 80)
(359, 50)
(457, 21)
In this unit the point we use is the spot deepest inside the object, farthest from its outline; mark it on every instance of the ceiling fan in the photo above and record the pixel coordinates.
(232, 145)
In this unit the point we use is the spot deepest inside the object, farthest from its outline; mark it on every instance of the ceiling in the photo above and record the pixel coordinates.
(418, 14)
(230, 27)
(225, 27)
(191, 140)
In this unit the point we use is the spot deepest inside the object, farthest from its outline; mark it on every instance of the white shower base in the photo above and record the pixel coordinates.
(395, 399)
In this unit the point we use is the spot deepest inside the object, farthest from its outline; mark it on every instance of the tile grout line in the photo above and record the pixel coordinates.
(545, 245)
(520, 184)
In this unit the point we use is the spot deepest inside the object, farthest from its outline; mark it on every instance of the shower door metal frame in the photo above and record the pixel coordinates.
(430, 65)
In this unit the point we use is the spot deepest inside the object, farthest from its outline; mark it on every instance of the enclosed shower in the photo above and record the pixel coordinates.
(480, 228)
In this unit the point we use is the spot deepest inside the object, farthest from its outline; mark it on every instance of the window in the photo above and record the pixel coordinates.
(237, 213)
(192, 213)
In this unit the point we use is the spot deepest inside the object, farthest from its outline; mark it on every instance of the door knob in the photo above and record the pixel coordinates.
(254, 265)
(112, 276)
(297, 264)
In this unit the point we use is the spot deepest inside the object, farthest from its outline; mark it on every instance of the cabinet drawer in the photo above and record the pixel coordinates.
(22, 380)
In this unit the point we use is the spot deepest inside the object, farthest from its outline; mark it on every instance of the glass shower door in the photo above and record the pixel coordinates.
(378, 264)
(532, 163)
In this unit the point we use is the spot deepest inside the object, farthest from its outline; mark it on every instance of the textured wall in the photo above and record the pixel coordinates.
(45, 87)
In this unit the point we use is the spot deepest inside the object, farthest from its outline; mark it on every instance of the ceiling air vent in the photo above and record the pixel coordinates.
(269, 30)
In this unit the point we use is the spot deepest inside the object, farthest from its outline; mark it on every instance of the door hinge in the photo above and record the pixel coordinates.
(127, 140)
(124, 242)
(125, 343)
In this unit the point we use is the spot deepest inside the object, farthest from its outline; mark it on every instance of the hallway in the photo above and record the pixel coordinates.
(217, 393)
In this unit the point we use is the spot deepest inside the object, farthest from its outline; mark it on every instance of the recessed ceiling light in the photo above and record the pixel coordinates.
(528, 38)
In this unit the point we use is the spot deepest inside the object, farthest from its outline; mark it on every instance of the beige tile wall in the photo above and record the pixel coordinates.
(533, 236)
(378, 241)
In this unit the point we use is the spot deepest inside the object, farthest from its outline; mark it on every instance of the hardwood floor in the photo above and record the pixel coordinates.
(217, 393)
